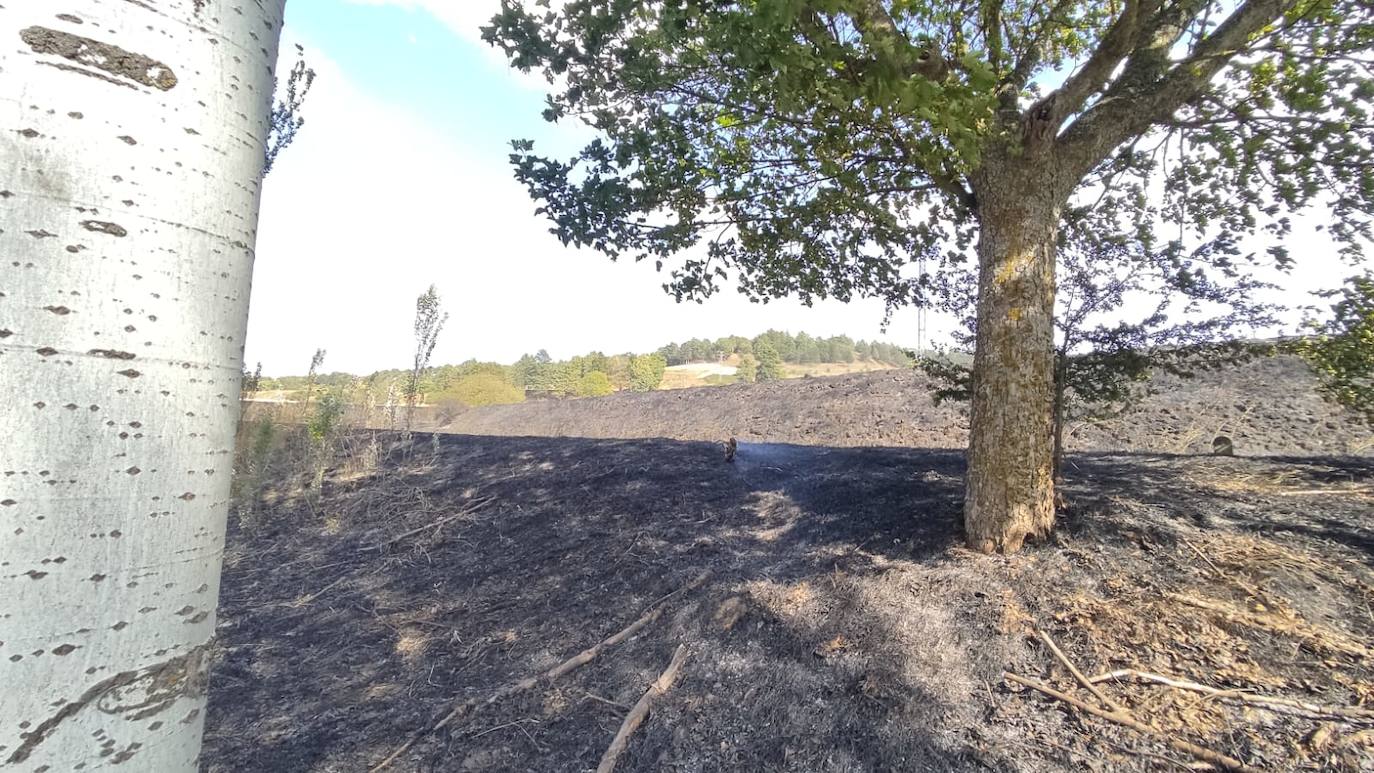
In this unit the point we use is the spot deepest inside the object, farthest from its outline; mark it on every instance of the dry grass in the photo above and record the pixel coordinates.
(685, 379)
(1282, 483)
(803, 370)
(1187, 438)
(1239, 612)
(682, 379)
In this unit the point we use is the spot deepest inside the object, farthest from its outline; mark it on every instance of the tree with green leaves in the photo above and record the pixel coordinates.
(748, 370)
(618, 369)
(316, 360)
(483, 388)
(526, 371)
(828, 148)
(562, 378)
(286, 117)
(594, 384)
(1342, 349)
(1127, 305)
(252, 382)
(646, 372)
(769, 361)
(429, 321)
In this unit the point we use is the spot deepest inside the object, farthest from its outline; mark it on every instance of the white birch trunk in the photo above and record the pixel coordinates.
(131, 145)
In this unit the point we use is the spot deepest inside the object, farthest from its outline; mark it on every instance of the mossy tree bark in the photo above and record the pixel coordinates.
(1009, 492)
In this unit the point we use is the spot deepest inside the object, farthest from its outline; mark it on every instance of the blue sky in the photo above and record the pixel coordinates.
(400, 179)
(457, 84)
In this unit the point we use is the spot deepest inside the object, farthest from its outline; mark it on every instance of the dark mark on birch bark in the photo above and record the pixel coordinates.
(102, 56)
(100, 226)
(161, 685)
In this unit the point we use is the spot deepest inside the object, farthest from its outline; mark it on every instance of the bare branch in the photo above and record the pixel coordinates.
(1030, 58)
(1116, 44)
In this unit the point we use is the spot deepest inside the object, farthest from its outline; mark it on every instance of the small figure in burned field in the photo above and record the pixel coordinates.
(730, 447)
(1222, 446)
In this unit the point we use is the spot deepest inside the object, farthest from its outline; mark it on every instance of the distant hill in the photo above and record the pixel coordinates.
(1268, 407)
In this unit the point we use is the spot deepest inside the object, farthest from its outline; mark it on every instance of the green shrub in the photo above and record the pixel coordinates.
(646, 372)
(256, 446)
(594, 384)
(1342, 352)
(482, 389)
(770, 362)
(325, 420)
(748, 370)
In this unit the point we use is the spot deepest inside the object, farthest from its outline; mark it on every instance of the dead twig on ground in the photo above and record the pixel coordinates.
(307, 599)
(469, 510)
(641, 710)
(1319, 491)
(1083, 680)
(607, 701)
(1203, 556)
(1286, 705)
(580, 659)
(516, 723)
(1125, 719)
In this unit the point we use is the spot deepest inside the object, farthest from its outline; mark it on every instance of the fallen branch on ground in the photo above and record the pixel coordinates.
(580, 659)
(641, 710)
(1288, 705)
(1125, 719)
(607, 701)
(1083, 680)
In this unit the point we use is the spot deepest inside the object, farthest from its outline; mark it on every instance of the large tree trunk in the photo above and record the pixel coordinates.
(131, 149)
(1009, 490)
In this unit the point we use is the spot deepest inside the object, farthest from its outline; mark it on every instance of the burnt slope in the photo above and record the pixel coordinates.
(1268, 406)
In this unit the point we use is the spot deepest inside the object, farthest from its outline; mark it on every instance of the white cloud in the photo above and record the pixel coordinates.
(371, 205)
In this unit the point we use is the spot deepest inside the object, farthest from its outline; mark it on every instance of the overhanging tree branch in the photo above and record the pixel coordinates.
(1031, 56)
(1137, 101)
(1115, 46)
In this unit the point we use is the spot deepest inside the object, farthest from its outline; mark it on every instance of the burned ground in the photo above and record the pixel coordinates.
(1267, 406)
(842, 626)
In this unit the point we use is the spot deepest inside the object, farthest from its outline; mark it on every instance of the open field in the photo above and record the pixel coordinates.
(829, 618)
(700, 374)
(695, 374)
(807, 370)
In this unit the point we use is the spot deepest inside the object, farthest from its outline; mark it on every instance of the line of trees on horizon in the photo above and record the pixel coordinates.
(798, 349)
(538, 375)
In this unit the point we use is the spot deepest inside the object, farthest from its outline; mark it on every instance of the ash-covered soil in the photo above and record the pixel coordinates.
(1267, 406)
(842, 627)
